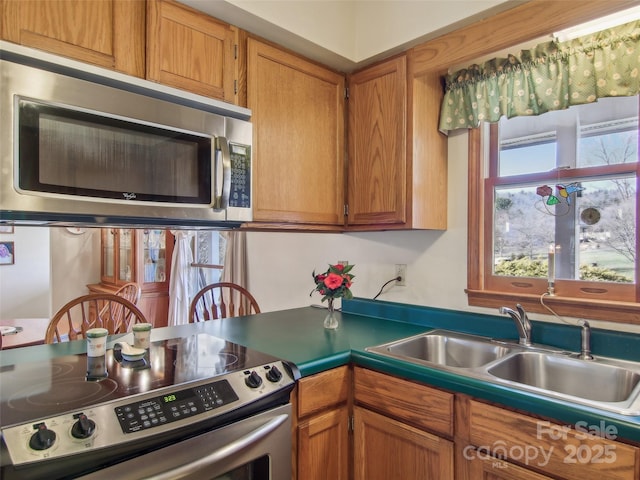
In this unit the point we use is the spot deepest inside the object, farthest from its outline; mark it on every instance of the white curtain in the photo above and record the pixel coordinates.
(235, 263)
(182, 278)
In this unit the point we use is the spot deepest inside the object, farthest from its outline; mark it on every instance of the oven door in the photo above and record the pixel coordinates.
(255, 448)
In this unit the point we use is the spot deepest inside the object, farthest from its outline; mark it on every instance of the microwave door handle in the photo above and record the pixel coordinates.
(227, 451)
(222, 169)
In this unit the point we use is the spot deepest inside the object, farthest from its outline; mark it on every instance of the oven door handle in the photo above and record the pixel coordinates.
(222, 453)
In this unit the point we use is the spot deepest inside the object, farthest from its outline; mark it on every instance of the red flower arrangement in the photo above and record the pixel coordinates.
(334, 283)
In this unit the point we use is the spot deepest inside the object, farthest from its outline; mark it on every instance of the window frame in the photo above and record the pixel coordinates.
(204, 266)
(574, 298)
(433, 59)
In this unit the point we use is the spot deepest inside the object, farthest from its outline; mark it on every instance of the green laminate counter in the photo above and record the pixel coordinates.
(298, 335)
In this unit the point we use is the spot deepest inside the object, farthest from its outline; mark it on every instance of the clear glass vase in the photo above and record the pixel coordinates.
(331, 320)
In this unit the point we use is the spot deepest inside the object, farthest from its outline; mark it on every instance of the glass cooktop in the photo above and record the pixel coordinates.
(46, 388)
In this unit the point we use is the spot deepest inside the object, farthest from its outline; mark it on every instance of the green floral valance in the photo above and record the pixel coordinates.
(551, 76)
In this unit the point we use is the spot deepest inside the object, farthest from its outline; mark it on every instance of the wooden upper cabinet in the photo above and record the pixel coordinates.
(397, 165)
(298, 137)
(189, 50)
(107, 33)
(377, 174)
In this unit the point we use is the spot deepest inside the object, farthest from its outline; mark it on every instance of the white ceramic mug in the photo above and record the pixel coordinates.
(96, 353)
(142, 335)
(97, 342)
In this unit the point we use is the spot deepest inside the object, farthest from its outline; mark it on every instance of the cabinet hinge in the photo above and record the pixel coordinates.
(235, 51)
(346, 209)
(351, 424)
(235, 87)
(346, 93)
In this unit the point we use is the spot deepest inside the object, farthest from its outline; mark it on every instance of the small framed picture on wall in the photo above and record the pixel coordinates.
(6, 229)
(7, 253)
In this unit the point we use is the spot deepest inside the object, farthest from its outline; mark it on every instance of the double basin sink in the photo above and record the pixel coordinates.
(605, 383)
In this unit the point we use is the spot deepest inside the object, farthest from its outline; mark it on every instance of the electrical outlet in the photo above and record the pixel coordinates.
(401, 271)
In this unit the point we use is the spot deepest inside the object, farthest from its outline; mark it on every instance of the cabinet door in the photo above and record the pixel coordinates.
(377, 184)
(108, 33)
(488, 469)
(558, 450)
(189, 50)
(153, 243)
(323, 446)
(118, 256)
(298, 137)
(385, 448)
(125, 259)
(108, 256)
(142, 256)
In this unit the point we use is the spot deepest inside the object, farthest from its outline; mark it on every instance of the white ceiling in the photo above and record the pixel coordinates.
(347, 34)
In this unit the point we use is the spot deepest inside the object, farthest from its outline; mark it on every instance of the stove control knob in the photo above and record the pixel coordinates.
(253, 380)
(43, 438)
(84, 427)
(274, 375)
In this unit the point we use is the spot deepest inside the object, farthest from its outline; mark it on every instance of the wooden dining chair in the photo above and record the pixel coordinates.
(105, 310)
(222, 300)
(131, 291)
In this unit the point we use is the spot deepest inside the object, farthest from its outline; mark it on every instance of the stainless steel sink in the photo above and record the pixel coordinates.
(605, 383)
(448, 349)
(578, 378)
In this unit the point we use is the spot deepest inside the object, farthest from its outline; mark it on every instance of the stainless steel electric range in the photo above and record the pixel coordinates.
(193, 407)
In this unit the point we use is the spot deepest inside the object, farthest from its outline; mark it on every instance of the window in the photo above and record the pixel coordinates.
(208, 257)
(558, 203)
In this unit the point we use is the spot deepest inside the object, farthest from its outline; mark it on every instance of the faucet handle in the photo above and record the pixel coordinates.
(522, 312)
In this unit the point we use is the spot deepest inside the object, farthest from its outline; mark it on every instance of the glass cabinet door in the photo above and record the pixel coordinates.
(108, 254)
(136, 255)
(125, 255)
(154, 254)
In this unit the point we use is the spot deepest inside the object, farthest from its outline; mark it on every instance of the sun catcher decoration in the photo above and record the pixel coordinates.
(565, 195)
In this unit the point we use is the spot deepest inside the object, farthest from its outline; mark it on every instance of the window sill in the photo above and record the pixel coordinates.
(619, 312)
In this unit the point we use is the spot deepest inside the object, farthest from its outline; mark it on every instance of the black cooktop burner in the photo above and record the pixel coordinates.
(67, 392)
(43, 389)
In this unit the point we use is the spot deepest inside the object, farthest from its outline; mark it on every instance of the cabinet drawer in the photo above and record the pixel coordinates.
(416, 404)
(551, 448)
(323, 390)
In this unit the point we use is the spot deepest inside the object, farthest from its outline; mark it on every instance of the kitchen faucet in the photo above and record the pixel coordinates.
(522, 323)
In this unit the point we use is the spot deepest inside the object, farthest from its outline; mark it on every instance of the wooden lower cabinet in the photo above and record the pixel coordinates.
(493, 469)
(399, 429)
(323, 446)
(321, 429)
(385, 449)
(405, 430)
(539, 447)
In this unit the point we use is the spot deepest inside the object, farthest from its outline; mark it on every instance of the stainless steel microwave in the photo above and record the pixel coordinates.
(77, 151)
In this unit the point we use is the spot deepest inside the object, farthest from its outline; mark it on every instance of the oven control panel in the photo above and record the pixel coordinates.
(175, 406)
(124, 421)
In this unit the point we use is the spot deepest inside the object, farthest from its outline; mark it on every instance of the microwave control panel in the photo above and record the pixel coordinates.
(240, 195)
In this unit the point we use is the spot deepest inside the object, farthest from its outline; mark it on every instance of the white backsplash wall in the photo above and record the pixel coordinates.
(73, 256)
(281, 263)
(25, 285)
(52, 266)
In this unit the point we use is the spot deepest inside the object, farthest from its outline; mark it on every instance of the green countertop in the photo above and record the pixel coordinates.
(298, 335)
